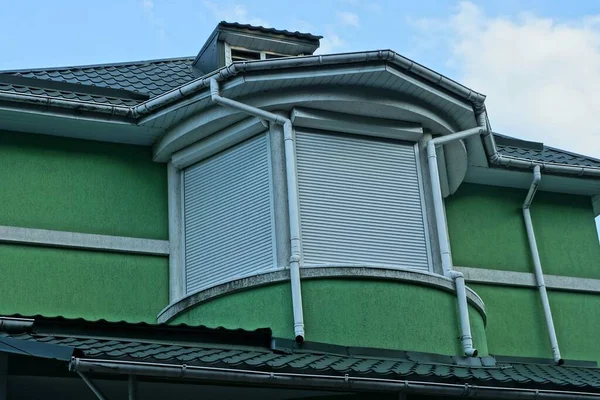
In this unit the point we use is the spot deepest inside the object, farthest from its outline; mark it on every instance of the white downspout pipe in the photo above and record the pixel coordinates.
(292, 190)
(444, 242)
(539, 274)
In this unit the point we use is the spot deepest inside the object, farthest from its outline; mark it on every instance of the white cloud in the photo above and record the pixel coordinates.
(348, 18)
(374, 8)
(331, 43)
(147, 4)
(541, 76)
(233, 13)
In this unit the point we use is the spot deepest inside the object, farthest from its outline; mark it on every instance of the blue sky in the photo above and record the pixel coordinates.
(538, 61)
(41, 33)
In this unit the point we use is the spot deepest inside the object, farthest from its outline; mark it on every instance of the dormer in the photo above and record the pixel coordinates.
(232, 42)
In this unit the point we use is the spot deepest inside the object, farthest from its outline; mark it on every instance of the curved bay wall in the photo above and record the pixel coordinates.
(351, 312)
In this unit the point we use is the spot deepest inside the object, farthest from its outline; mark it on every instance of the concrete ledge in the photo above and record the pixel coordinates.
(75, 240)
(525, 279)
(283, 275)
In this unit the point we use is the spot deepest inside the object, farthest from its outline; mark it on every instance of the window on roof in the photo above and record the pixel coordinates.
(233, 54)
(244, 55)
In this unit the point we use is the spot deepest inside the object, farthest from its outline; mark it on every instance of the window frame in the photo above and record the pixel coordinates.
(262, 55)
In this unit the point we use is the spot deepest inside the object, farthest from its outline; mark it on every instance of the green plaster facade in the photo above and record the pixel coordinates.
(81, 186)
(114, 189)
(362, 313)
(82, 284)
(516, 325)
(90, 187)
(487, 231)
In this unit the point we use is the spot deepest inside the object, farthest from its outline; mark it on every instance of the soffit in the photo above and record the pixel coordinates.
(377, 76)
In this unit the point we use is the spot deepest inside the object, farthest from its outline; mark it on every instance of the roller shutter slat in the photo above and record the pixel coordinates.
(228, 215)
(360, 201)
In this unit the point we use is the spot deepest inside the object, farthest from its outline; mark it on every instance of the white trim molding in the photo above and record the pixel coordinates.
(87, 241)
(526, 279)
(175, 198)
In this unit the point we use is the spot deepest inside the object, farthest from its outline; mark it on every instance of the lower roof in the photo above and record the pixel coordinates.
(105, 343)
(536, 151)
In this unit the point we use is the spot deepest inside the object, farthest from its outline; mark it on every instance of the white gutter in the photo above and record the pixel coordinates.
(344, 383)
(549, 167)
(239, 67)
(539, 274)
(443, 238)
(78, 105)
(292, 190)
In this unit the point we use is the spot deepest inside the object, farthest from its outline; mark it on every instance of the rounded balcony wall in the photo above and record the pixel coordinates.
(349, 306)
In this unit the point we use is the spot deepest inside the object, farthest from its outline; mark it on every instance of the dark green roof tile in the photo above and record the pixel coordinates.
(302, 361)
(153, 77)
(404, 367)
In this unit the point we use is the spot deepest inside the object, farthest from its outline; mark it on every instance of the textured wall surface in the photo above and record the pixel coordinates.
(369, 313)
(74, 283)
(516, 324)
(83, 186)
(487, 231)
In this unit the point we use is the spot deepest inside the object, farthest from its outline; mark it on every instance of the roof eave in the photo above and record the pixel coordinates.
(280, 64)
(346, 382)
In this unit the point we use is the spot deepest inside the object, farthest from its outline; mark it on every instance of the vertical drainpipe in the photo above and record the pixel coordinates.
(292, 189)
(539, 274)
(466, 338)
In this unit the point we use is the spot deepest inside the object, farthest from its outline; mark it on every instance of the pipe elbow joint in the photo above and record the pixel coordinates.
(471, 352)
(537, 174)
(454, 274)
(299, 335)
(214, 89)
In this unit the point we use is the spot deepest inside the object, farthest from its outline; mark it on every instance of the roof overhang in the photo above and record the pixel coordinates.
(385, 72)
(255, 358)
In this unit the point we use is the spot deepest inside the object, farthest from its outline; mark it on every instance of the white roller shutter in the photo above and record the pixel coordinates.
(360, 201)
(228, 215)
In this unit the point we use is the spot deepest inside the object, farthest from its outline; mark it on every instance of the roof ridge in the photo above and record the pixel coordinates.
(93, 66)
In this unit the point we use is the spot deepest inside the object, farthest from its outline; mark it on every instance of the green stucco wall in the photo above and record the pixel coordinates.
(363, 313)
(74, 284)
(516, 325)
(83, 186)
(487, 231)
